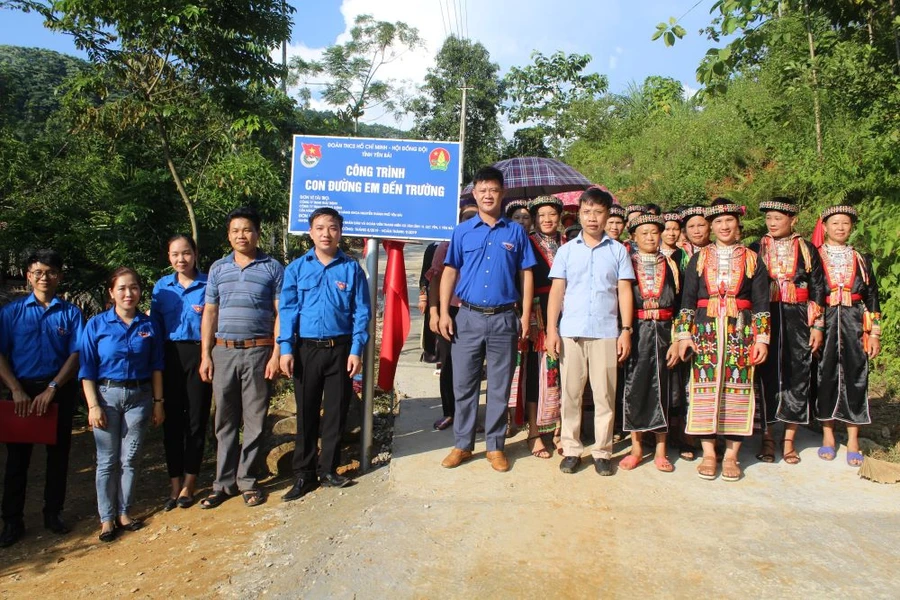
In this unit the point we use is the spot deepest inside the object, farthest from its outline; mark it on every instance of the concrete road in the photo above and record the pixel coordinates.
(416, 530)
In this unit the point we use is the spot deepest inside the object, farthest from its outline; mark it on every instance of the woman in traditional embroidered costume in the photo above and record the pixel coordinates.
(647, 389)
(669, 240)
(696, 229)
(542, 400)
(615, 223)
(724, 320)
(797, 294)
(852, 334)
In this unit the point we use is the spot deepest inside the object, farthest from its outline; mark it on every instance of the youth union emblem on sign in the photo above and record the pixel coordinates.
(439, 159)
(312, 154)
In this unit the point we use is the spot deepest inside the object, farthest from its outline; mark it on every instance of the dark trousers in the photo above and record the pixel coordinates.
(188, 401)
(480, 338)
(448, 400)
(320, 384)
(18, 458)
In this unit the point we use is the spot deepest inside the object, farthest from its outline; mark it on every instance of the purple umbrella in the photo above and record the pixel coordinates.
(531, 176)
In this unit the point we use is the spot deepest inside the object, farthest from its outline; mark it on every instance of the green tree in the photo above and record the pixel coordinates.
(437, 109)
(350, 69)
(548, 93)
(191, 72)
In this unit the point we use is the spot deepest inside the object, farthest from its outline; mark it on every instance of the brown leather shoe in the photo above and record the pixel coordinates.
(498, 460)
(456, 458)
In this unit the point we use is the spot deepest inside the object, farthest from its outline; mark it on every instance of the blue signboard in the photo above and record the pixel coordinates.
(398, 189)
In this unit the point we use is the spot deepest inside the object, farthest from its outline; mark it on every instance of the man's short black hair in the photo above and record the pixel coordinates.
(488, 174)
(46, 256)
(245, 212)
(324, 211)
(654, 209)
(595, 196)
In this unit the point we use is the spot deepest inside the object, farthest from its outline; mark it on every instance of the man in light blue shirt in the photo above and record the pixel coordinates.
(591, 287)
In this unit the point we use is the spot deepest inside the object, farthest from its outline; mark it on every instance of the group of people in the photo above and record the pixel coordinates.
(226, 333)
(679, 328)
(700, 338)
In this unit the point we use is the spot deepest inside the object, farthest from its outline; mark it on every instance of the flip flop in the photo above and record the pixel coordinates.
(443, 423)
(854, 456)
(827, 453)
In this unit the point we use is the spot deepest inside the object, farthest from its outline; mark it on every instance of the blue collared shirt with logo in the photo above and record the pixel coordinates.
(178, 310)
(110, 349)
(37, 341)
(488, 260)
(324, 301)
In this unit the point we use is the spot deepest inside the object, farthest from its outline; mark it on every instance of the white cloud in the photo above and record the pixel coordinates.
(509, 44)
(613, 62)
(688, 91)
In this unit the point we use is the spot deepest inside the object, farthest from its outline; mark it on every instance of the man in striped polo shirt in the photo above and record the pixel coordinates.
(239, 355)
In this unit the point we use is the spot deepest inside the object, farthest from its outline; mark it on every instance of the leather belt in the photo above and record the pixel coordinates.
(123, 383)
(488, 310)
(249, 343)
(341, 340)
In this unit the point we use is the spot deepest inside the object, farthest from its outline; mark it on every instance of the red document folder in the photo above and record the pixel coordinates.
(27, 430)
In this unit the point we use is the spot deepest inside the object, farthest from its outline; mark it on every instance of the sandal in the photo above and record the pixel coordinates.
(767, 452)
(687, 452)
(707, 468)
(731, 471)
(629, 462)
(215, 499)
(854, 459)
(443, 423)
(253, 497)
(543, 452)
(662, 464)
(790, 456)
(827, 453)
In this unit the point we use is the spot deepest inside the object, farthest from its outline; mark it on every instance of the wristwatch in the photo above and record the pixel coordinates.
(53, 385)
(155, 400)
(629, 328)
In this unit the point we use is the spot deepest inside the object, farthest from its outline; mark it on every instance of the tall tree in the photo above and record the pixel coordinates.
(548, 92)
(350, 69)
(437, 109)
(176, 67)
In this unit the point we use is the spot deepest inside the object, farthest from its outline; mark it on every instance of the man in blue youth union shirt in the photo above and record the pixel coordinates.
(40, 335)
(324, 319)
(486, 255)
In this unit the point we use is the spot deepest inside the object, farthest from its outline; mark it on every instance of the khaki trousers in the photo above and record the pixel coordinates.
(584, 358)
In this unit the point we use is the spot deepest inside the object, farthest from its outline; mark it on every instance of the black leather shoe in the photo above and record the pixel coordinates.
(12, 533)
(570, 464)
(107, 536)
(134, 525)
(56, 524)
(302, 487)
(334, 480)
(603, 467)
(170, 504)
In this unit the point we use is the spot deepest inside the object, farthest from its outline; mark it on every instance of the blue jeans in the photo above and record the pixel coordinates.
(128, 413)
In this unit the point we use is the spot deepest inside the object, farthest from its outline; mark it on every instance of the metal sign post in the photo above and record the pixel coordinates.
(369, 358)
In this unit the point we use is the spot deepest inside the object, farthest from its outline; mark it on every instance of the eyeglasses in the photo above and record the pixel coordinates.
(41, 274)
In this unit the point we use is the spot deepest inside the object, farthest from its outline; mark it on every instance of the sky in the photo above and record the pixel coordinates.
(616, 33)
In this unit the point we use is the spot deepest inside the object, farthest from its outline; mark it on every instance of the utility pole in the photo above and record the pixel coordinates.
(462, 131)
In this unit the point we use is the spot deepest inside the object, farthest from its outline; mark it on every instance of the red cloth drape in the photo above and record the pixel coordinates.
(818, 236)
(395, 325)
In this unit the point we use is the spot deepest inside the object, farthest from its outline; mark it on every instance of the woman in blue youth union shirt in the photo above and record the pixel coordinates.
(121, 374)
(177, 309)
